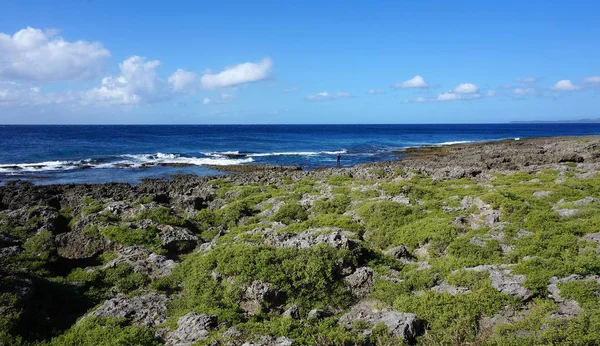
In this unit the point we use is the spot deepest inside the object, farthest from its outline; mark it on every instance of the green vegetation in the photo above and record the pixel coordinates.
(306, 277)
(96, 331)
(162, 215)
(289, 213)
(446, 226)
(132, 236)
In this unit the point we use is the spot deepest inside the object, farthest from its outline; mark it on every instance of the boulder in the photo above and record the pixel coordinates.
(399, 252)
(191, 328)
(147, 310)
(77, 245)
(143, 261)
(177, 238)
(444, 287)
(269, 340)
(259, 296)
(334, 237)
(542, 194)
(400, 325)
(316, 314)
(361, 281)
(505, 281)
(293, 312)
(10, 251)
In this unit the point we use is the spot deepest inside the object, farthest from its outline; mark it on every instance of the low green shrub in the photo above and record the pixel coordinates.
(289, 213)
(132, 236)
(99, 331)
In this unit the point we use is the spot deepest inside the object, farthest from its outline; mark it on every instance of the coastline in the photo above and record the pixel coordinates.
(447, 237)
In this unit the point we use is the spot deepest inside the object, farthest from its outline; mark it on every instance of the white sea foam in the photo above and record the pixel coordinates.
(126, 161)
(160, 158)
(452, 143)
(38, 166)
(298, 153)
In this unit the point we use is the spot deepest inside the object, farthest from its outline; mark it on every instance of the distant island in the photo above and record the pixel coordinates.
(580, 121)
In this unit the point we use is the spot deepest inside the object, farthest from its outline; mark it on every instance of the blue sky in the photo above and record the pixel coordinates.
(303, 62)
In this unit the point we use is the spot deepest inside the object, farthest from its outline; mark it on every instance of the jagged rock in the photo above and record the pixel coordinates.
(400, 325)
(361, 281)
(232, 333)
(191, 328)
(505, 281)
(444, 287)
(7, 240)
(523, 233)
(143, 261)
(148, 310)
(566, 212)
(77, 245)
(485, 216)
(177, 238)
(508, 316)
(268, 340)
(399, 252)
(117, 207)
(567, 308)
(44, 217)
(259, 296)
(592, 237)
(571, 157)
(292, 312)
(10, 251)
(334, 237)
(316, 314)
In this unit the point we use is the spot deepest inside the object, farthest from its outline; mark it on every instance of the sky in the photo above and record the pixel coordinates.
(305, 62)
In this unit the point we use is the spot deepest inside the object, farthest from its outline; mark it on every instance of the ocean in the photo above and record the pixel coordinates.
(53, 154)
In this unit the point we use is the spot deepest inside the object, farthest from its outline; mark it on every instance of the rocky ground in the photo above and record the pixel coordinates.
(481, 244)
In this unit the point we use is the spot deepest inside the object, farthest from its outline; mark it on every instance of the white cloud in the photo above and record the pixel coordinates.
(466, 88)
(239, 74)
(182, 80)
(491, 93)
(592, 81)
(327, 96)
(136, 83)
(375, 91)
(415, 82)
(31, 54)
(223, 98)
(13, 94)
(524, 91)
(448, 96)
(290, 90)
(416, 100)
(526, 80)
(565, 85)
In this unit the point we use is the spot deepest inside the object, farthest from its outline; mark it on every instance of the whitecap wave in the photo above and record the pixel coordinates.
(453, 142)
(124, 161)
(298, 153)
(40, 166)
(160, 158)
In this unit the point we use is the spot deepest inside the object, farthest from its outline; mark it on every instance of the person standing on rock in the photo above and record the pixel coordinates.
(339, 159)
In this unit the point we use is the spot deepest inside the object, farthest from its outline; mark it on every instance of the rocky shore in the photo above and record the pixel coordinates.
(481, 244)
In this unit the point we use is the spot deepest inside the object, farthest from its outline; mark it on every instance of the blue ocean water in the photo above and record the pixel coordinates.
(48, 154)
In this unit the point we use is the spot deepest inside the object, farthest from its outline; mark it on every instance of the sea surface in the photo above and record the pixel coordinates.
(51, 154)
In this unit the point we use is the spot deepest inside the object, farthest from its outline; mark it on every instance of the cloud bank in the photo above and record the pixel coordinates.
(31, 54)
